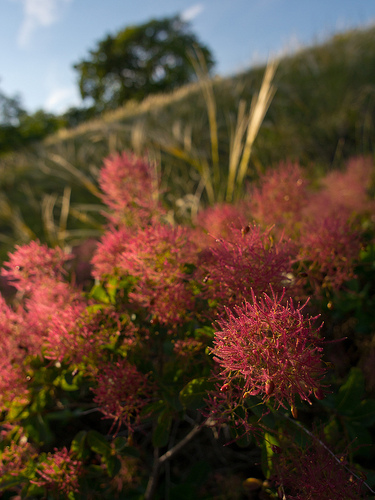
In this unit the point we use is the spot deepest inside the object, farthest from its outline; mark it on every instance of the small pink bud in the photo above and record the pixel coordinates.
(224, 388)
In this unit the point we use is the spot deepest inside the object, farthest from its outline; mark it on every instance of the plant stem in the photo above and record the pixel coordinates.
(159, 461)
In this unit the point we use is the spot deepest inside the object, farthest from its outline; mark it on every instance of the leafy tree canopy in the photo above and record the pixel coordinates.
(138, 61)
(10, 110)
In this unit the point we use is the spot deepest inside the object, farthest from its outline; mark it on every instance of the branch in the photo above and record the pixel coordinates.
(175, 449)
(159, 461)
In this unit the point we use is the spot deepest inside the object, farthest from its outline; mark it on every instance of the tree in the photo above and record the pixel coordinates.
(36, 126)
(138, 61)
(10, 110)
(10, 114)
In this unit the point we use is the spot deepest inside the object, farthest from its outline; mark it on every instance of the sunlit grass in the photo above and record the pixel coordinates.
(208, 139)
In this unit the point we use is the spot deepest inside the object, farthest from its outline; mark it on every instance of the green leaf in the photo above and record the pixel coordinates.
(240, 435)
(38, 429)
(69, 382)
(64, 414)
(10, 482)
(113, 465)
(267, 453)
(98, 443)
(204, 331)
(78, 443)
(34, 491)
(361, 439)
(332, 432)
(365, 412)
(261, 411)
(120, 443)
(153, 407)
(161, 433)
(99, 293)
(41, 399)
(122, 447)
(351, 392)
(172, 400)
(193, 394)
(112, 286)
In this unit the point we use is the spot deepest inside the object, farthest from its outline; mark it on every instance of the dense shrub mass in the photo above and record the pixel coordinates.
(253, 329)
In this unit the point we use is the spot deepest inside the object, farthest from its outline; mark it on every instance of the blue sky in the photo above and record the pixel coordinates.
(40, 40)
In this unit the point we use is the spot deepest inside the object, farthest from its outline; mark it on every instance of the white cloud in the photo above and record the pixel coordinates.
(60, 99)
(38, 13)
(192, 12)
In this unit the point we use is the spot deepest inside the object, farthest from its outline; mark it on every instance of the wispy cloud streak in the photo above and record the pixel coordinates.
(192, 12)
(38, 13)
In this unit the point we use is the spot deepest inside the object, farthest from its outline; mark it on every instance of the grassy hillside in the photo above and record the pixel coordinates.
(321, 114)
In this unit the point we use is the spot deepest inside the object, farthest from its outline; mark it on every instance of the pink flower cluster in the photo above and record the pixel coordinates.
(345, 191)
(52, 321)
(14, 348)
(322, 222)
(157, 257)
(218, 221)
(314, 472)
(59, 472)
(281, 197)
(328, 251)
(129, 189)
(14, 457)
(271, 349)
(33, 263)
(248, 261)
(121, 392)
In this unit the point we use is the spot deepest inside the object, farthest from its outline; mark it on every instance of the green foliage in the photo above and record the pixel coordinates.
(353, 414)
(139, 61)
(193, 394)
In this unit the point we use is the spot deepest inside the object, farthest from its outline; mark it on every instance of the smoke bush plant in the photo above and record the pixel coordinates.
(271, 349)
(184, 331)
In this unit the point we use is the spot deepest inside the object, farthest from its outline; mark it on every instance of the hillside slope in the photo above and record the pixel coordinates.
(322, 113)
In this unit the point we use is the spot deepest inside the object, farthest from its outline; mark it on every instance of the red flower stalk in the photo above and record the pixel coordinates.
(219, 220)
(248, 261)
(271, 349)
(329, 250)
(15, 456)
(30, 264)
(47, 299)
(345, 191)
(59, 471)
(157, 257)
(108, 251)
(14, 349)
(129, 189)
(77, 335)
(280, 198)
(121, 392)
